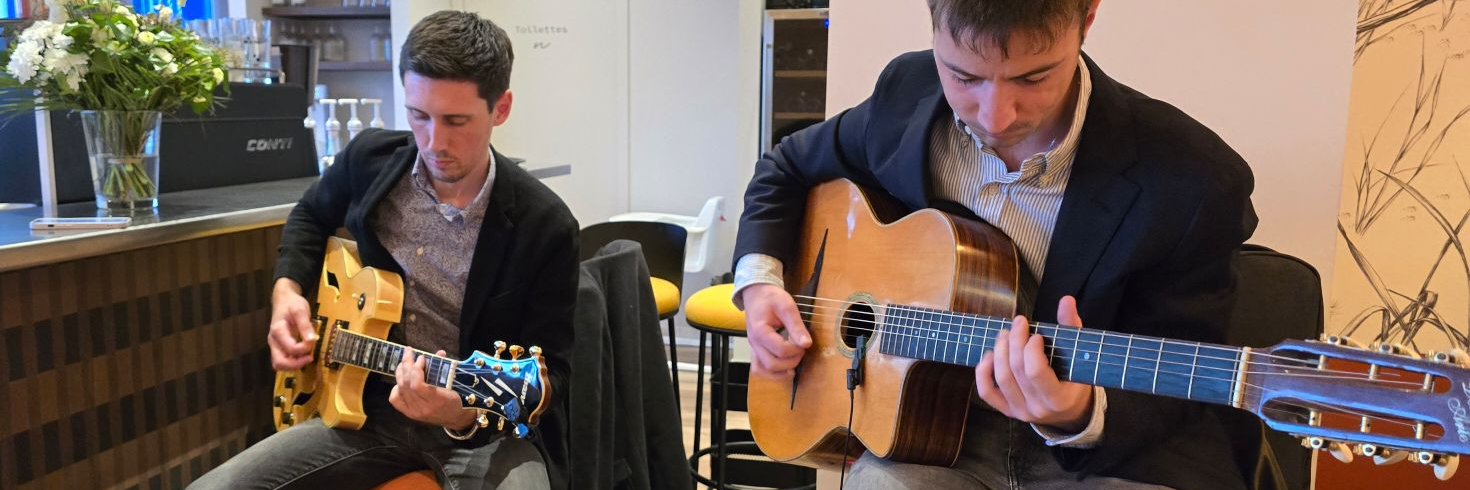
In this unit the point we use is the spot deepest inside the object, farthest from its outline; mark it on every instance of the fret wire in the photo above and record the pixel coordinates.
(1189, 393)
(1097, 363)
(1158, 365)
(1072, 366)
(1127, 356)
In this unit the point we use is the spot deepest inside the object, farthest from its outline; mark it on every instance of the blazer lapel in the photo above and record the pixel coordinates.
(490, 247)
(900, 175)
(368, 245)
(1098, 195)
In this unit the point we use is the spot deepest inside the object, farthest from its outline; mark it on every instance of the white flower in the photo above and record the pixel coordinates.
(25, 61)
(164, 13)
(122, 30)
(39, 31)
(199, 99)
(61, 41)
(170, 69)
(147, 38)
(219, 75)
(63, 63)
(124, 11)
(162, 55)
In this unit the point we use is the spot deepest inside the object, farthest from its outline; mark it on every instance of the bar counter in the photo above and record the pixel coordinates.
(136, 357)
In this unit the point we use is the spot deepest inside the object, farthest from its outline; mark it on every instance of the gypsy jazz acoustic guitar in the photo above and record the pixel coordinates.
(913, 330)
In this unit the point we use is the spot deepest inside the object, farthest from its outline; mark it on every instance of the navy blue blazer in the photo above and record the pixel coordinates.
(1146, 237)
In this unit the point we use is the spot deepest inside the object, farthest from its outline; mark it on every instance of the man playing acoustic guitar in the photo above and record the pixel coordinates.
(1112, 198)
(486, 252)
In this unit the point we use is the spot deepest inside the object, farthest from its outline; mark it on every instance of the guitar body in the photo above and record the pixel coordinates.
(367, 301)
(905, 410)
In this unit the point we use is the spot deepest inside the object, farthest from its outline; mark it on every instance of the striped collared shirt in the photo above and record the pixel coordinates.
(1022, 204)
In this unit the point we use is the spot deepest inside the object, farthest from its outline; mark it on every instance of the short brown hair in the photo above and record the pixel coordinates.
(453, 45)
(974, 23)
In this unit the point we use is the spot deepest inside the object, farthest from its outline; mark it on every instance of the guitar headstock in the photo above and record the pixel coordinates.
(1383, 401)
(514, 389)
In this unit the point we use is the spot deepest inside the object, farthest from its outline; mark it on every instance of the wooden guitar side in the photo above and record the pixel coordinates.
(905, 410)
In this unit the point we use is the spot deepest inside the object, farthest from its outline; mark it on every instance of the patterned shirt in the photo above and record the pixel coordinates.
(434, 242)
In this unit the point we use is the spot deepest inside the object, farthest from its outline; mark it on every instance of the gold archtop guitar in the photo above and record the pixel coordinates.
(948, 285)
(356, 308)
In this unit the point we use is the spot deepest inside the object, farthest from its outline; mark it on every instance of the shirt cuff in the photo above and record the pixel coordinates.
(754, 268)
(1089, 436)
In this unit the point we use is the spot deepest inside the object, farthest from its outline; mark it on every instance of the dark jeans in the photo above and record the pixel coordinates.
(312, 456)
(997, 454)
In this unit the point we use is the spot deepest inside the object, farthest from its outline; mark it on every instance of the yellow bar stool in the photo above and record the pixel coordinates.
(713, 314)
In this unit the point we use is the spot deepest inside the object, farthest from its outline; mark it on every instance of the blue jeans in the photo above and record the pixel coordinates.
(312, 456)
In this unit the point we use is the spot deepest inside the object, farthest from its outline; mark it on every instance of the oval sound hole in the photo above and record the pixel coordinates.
(857, 321)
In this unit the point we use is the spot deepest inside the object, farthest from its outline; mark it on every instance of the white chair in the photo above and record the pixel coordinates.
(700, 242)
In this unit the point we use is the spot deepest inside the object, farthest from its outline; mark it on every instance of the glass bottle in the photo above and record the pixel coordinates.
(335, 45)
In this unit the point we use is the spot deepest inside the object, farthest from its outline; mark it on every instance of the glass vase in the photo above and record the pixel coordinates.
(122, 147)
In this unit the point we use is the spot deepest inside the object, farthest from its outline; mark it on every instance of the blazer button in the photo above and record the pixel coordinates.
(420, 251)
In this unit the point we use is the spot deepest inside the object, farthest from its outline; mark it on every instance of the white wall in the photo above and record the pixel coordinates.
(689, 73)
(694, 94)
(570, 89)
(1271, 77)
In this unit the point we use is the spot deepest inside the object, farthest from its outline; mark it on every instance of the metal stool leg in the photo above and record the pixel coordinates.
(698, 406)
(674, 367)
(724, 452)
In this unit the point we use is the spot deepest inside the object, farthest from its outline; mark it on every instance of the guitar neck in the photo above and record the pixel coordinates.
(382, 356)
(1180, 369)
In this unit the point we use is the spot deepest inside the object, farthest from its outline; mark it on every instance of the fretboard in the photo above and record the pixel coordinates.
(382, 356)
(1190, 370)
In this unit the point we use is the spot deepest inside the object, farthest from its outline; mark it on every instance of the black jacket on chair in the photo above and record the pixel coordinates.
(1146, 238)
(624, 430)
(522, 280)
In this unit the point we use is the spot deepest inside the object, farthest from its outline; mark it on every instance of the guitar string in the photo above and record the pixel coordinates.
(1268, 390)
(987, 329)
(1329, 374)
(988, 320)
(472, 389)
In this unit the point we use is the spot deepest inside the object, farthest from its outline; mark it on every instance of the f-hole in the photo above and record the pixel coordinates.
(332, 281)
(858, 321)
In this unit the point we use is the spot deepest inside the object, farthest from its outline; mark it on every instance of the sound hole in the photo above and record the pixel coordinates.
(857, 321)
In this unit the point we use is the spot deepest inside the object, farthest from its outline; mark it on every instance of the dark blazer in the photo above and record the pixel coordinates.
(523, 277)
(1146, 236)
(624, 430)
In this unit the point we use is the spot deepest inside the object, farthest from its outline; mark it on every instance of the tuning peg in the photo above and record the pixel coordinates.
(535, 352)
(1382, 456)
(499, 347)
(1336, 449)
(500, 425)
(1395, 349)
(280, 401)
(482, 420)
(1444, 469)
(1456, 357)
(470, 399)
(1344, 341)
(516, 351)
